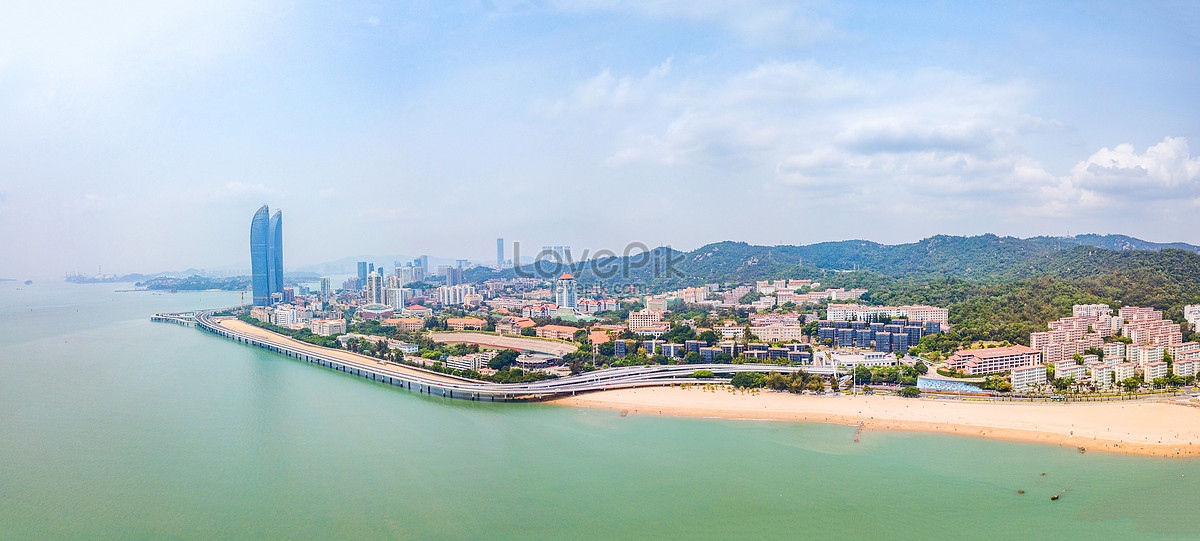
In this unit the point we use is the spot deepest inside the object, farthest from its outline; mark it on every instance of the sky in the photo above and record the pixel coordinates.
(142, 135)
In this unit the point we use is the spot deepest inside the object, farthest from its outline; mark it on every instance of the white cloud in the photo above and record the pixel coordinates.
(1165, 170)
(891, 140)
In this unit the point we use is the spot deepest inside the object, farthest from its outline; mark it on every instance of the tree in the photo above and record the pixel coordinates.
(750, 297)
(703, 374)
(503, 360)
(528, 331)
(909, 392)
(723, 358)
(747, 380)
(815, 384)
(693, 358)
(1131, 384)
(833, 384)
(708, 337)
(862, 374)
(776, 381)
(920, 367)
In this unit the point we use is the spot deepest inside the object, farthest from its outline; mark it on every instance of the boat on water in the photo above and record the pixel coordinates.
(28, 282)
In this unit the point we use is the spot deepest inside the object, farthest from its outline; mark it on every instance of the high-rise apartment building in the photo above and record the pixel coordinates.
(362, 271)
(565, 294)
(266, 255)
(500, 253)
(375, 288)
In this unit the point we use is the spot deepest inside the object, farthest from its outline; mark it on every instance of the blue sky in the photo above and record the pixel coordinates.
(142, 136)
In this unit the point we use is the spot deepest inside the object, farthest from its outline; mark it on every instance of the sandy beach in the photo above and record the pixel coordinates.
(1142, 428)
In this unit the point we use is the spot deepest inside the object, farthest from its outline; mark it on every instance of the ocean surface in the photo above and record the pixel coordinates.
(112, 426)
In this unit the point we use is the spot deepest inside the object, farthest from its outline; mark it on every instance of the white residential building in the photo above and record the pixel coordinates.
(644, 318)
(1185, 368)
(915, 313)
(1101, 374)
(1069, 369)
(1145, 354)
(1153, 371)
(778, 333)
(1124, 371)
(454, 294)
(1091, 310)
(1191, 313)
(1029, 377)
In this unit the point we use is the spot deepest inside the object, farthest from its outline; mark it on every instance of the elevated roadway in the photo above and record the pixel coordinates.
(429, 382)
(520, 343)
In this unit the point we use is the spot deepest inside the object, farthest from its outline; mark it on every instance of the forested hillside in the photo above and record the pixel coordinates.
(997, 288)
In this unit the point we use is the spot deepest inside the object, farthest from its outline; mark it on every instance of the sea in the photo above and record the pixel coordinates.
(116, 427)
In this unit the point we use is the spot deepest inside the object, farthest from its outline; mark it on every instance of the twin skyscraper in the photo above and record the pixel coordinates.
(266, 256)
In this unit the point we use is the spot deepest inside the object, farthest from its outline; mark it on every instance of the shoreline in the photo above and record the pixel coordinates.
(1160, 429)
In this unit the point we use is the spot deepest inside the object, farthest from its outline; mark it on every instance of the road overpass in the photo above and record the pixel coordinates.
(437, 384)
(520, 343)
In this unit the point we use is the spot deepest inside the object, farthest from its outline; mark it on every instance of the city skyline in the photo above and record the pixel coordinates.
(591, 124)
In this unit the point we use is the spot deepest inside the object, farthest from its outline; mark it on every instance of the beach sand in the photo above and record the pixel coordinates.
(1157, 428)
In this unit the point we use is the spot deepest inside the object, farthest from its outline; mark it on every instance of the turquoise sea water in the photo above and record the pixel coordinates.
(115, 427)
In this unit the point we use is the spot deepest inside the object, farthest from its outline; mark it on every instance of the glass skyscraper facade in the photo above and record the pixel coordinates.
(266, 255)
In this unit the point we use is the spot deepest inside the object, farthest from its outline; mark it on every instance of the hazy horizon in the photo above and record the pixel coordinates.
(143, 136)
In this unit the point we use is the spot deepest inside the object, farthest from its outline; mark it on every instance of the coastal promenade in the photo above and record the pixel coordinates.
(434, 383)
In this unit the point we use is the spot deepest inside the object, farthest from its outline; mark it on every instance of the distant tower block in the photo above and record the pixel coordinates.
(500, 253)
(266, 255)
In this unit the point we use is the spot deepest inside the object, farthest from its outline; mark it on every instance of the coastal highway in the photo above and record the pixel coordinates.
(435, 383)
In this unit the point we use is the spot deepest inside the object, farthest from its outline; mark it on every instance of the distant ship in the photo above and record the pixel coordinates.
(28, 282)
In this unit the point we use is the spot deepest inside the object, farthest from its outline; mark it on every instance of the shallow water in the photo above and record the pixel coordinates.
(113, 426)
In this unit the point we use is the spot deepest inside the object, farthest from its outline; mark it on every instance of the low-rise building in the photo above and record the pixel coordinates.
(416, 310)
(557, 332)
(465, 323)
(656, 330)
(867, 359)
(473, 361)
(327, 327)
(992, 360)
(407, 324)
(513, 325)
(778, 333)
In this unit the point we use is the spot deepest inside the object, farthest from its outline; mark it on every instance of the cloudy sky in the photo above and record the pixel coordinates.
(142, 136)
